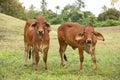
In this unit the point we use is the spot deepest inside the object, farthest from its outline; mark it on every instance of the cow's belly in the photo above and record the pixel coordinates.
(73, 44)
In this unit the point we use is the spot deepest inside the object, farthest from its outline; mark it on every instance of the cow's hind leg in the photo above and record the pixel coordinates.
(45, 58)
(62, 49)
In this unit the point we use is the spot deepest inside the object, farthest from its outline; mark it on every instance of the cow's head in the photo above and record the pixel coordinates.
(42, 20)
(89, 35)
(39, 27)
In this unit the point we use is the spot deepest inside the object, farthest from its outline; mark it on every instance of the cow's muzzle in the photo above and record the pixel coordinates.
(40, 32)
(89, 41)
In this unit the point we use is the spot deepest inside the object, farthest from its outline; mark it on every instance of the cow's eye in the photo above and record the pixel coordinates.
(93, 33)
(83, 33)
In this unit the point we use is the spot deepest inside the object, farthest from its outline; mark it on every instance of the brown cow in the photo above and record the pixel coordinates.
(36, 38)
(78, 36)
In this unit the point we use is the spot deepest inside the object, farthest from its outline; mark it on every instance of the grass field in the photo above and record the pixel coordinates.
(12, 50)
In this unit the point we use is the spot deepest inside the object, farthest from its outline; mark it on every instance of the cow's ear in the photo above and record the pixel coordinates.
(99, 36)
(34, 24)
(48, 27)
(79, 36)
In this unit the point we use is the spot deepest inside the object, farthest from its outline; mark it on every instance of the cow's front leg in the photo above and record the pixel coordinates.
(36, 55)
(81, 56)
(94, 59)
(33, 58)
(45, 58)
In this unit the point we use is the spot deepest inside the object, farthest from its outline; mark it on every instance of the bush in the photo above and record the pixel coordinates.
(56, 20)
(111, 13)
(107, 23)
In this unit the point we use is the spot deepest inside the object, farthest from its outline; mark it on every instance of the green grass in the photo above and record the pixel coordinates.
(12, 50)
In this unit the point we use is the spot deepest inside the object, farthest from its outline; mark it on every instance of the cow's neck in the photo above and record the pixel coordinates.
(89, 48)
(46, 36)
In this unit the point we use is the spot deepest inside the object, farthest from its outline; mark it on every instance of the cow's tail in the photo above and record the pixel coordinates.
(65, 57)
(30, 53)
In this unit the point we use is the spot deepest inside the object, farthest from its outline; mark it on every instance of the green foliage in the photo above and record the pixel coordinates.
(32, 13)
(79, 4)
(53, 18)
(107, 23)
(110, 17)
(72, 13)
(43, 7)
(111, 13)
(88, 18)
(13, 8)
(69, 12)
(56, 20)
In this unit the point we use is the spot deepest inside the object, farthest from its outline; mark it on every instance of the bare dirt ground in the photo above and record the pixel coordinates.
(115, 29)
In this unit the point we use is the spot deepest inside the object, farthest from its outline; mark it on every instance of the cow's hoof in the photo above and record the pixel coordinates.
(62, 65)
(81, 68)
(36, 69)
(45, 68)
(95, 69)
(33, 64)
(25, 66)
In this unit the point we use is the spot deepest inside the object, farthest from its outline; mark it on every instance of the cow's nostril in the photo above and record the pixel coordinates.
(40, 32)
(89, 41)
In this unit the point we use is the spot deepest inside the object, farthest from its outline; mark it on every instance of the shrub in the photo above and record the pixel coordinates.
(107, 23)
(56, 20)
(111, 13)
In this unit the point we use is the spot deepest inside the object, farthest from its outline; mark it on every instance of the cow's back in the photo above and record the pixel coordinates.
(68, 31)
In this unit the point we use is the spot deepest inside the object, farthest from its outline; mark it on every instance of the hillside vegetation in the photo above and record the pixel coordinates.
(12, 51)
(11, 32)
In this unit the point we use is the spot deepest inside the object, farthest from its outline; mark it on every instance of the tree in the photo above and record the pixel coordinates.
(57, 8)
(111, 13)
(102, 16)
(65, 13)
(72, 13)
(44, 7)
(13, 8)
(104, 8)
(79, 4)
(31, 12)
(88, 17)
